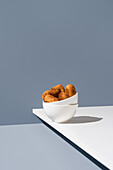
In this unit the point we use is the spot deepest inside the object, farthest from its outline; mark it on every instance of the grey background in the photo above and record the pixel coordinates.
(44, 43)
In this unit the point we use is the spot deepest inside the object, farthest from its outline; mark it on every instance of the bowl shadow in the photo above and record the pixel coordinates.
(83, 119)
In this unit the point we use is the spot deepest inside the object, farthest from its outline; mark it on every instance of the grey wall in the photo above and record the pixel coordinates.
(43, 43)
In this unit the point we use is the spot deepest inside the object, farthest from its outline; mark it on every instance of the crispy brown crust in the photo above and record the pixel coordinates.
(62, 96)
(45, 93)
(56, 90)
(50, 98)
(70, 90)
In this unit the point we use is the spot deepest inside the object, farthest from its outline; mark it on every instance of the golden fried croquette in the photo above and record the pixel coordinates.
(60, 87)
(50, 98)
(70, 90)
(62, 96)
(45, 93)
(56, 90)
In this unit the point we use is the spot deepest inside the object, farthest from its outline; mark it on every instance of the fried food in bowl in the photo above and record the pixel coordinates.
(68, 101)
(58, 95)
(60, 104)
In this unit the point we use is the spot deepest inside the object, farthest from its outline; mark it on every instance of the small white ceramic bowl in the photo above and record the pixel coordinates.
(70, 100)
(60, 113)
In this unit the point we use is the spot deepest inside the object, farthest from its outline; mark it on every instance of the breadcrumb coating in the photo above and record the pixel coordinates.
(56, 90)
(62, 96)
(70, 90)
(50, 98)
(45, 93)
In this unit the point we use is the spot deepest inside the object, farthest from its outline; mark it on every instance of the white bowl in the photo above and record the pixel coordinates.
(70, 100)
(60, 113)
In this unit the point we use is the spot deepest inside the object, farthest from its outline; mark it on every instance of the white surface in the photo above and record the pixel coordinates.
(87, 130)
(60, 113)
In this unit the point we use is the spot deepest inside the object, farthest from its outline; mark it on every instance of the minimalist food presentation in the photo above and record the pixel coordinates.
(60, 104)
(80, 125)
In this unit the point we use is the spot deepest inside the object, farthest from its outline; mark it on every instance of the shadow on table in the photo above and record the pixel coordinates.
(83, 119)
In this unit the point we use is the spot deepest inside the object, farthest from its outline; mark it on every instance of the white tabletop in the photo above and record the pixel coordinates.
(90, 129)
